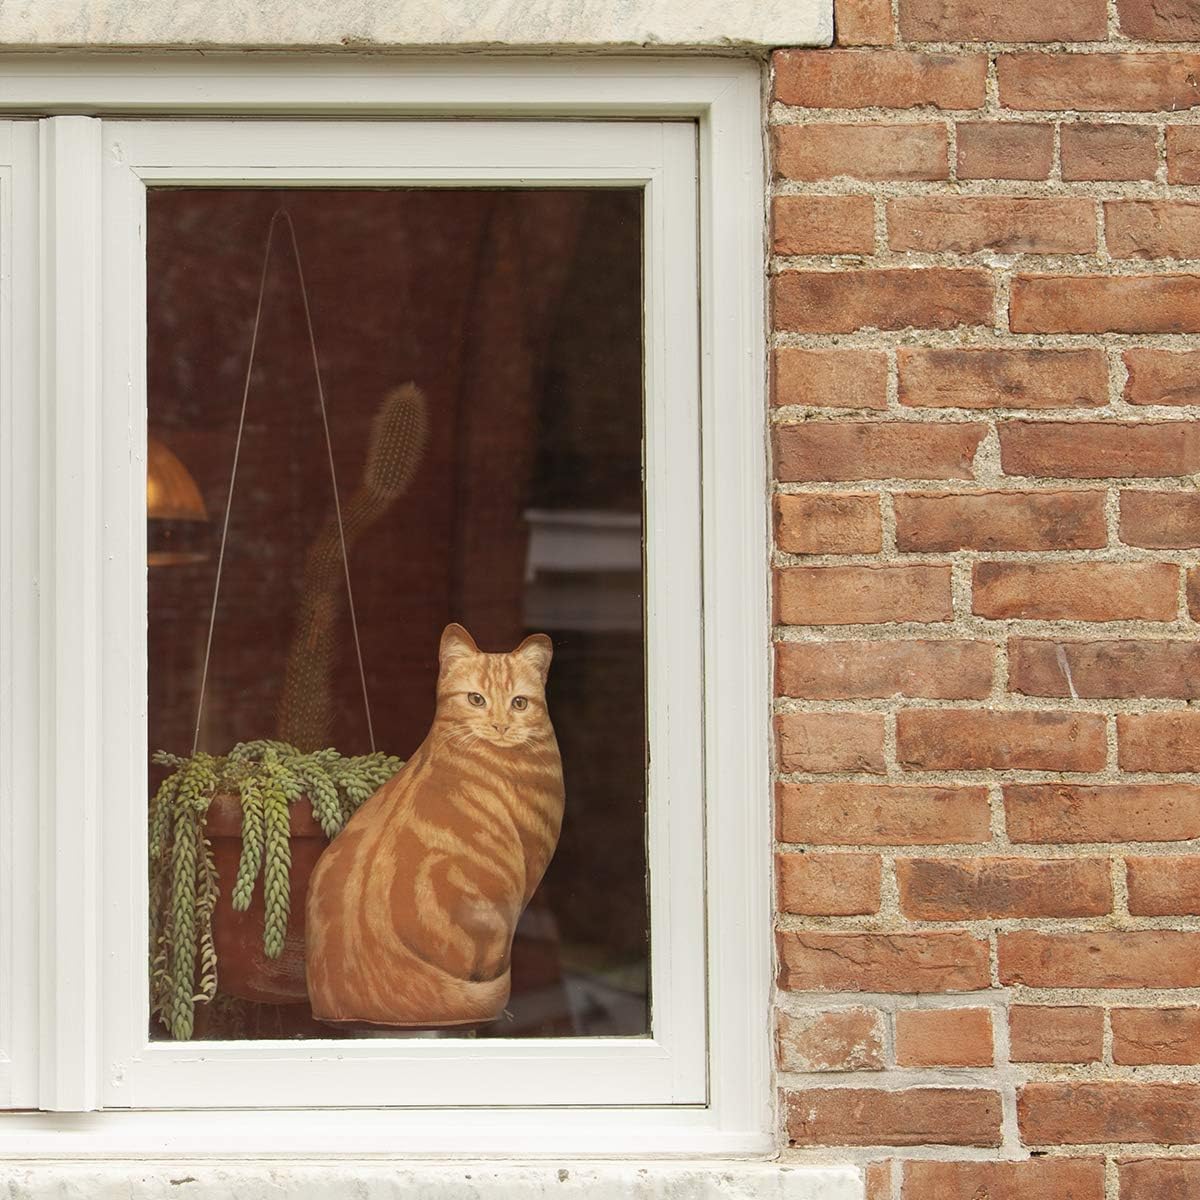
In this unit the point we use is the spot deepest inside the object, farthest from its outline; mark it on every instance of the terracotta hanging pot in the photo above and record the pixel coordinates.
(244, 969)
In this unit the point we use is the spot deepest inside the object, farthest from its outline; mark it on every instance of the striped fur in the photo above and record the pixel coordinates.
(412, 908)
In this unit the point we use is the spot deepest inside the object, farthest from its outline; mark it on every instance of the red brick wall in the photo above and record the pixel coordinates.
(986, 270)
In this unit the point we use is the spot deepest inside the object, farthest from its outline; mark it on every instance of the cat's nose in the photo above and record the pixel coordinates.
(499, 728)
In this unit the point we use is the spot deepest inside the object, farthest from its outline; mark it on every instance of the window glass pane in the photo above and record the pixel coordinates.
(481, 358)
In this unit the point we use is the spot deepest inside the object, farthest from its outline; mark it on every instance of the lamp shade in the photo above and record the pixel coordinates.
(175, 511)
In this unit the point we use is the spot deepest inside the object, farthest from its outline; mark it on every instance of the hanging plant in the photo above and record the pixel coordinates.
(267, 777)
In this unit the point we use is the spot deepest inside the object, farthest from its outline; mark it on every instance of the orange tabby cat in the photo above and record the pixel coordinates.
(412, 908)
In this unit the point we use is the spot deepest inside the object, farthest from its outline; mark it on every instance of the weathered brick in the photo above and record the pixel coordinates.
(973, 889)
(1089, 150)
(825, 742)
(944, 1037)
(1002, 21)
(887, 298)
(828, 524)
(1045, 520)
(1085, 591)
(1143, 958)
(831, 814)
(1160, 20)
(1183, 154)
(1193, 593)
(1100, 449)
(878, 1180)
(1094, 670)
(879, 79)
(863, 23)
(829, 378)
(1159, 741)
(1120, 82)
(979, 739)
(1049, 813)
(863, 595)
(1144, 1036)
(827, 885)
(1162, 376)
(861, 151)
(1159, 1178)
(1161, 520)
(823, 224)
(839, 1039)
(987, 378)
(908, 963)
(911, 1117)
(1163, 886)
(1105, 304)
(1009, 224)
(1093, 1113)
(1152, 228)
(1055, 1034)
(843, 450)
(934, 670)
(1004, 150)
(1034, 1179)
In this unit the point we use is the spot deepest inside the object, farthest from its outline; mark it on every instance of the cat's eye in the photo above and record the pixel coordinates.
(476, 699)
(520, 703)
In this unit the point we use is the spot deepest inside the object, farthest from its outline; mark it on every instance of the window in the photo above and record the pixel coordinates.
(552, 329)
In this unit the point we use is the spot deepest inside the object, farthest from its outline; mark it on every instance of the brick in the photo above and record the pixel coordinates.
(1054, 1034)
(934, 670)
(1044, 520)
(831, 814)
(899, 963)
(828, 524)
(823, 224)
(844, 450)
(1089, 150)
(1100, 449)
(1193, 593)
(944, 1037)
(1086, 591)
(821, 743)
(1161, 520)
(829, 378)
(1121, 82)
(863, 595)
(1159, 1178)
(1159, 741)
(1163, 887)
(1183, 154)
(974, 889)
(1152, 228)
(1121, 669)
(874, 151)
(878, 1117)
(1007, 224)
(827, 885)
(1105, 304)
(986, 378)
(1034, 1179)
(1004, 150)
(888, 298)
(863, 23)
(878, 1180)
(879, 79)
(1089, 1114)
(1160, 20)
(1144, 958)
(1144, 1036)
(979, 739)
(1002, 21)
(1072, 813)
(840, 1039)
(1162, 376)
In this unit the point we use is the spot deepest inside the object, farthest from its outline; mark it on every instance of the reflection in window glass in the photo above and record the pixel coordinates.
(481, 357)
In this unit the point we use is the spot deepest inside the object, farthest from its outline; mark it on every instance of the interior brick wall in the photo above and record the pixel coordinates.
(985, 282)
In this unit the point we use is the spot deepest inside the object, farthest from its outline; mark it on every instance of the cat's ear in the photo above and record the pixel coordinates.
(537, 650)
(456, 643)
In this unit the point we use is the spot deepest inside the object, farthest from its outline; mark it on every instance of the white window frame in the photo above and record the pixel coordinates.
(81, 456)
